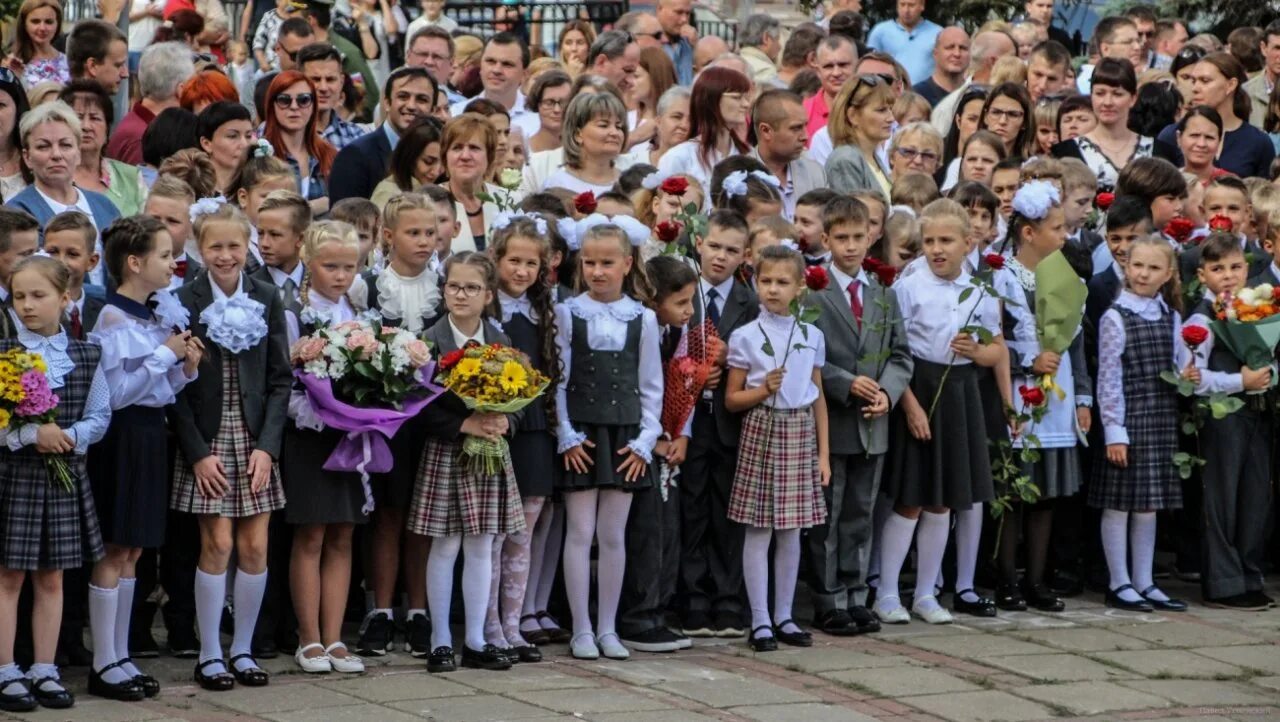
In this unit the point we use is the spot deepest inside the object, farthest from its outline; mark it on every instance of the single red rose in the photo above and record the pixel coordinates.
(1179, 228)
(1194, 335)
(1031, 395)
(675, 185)
(667, 231)
(1221, 223)
(994, 260)
(871, 264)
(451, 359)
(1104, 200)
(585, 202)
(815, 277)
(887, 274)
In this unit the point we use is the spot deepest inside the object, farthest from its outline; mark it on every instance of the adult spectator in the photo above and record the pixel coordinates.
(1047, 70)
(320, 15)
(850, 24)
(909, 38)
(614, 56)
(1144, 24)
(988, 46)
(1117, 37)
(432, 17)
(968, 118)
(760, 44)
(119, 182)
(410, 94)
(469, 147)
(1041, 11)
(548, 97)
(655, 75)
(51, 135)
(145, 17)
(1184, 63)
(644, 27)
(915, 148)
(13, 106)
(672, 126)
(1155, 108)
(1007, 113)
(1218, 82)
(708, 50)
(161, 72)
(174, 129)
(502, 66)
(1260, 86)
(950, 63)
(781, 134)
(206, 88)
(575, 40)
(226, 131)
(1112, 144)
(416, 161)
(719, 104)
(873, 63)
(674, 17)
(34, 56)
(290, 127)
(1171, 35)
(862, 119)
(99, 51)
(834, 64)
(1199, 140)
(432, 48)
(593, 136)
(322, 64)
(1246, 44)
(800, 52)
(295, 34)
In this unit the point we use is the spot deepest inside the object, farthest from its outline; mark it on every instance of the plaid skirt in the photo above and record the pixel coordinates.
(449, 499)
(233, 444)
(43, 526)
(777, 484)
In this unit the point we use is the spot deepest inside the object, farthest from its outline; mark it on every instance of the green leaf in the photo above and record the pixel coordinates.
(965, 294)
(767, 347)
(810, 314)
(1222, 406)
(984, 335)
(1189, 428)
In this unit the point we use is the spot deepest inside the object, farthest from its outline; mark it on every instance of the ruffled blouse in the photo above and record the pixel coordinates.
(235, 322)
(411, 300)
(140, 370)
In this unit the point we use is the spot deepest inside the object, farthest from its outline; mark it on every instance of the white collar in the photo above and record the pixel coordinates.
(1138, 304)
(935, 279)
(842, 279)
(279, 277)
(53, 204)
(723, 289)
(461, 339)
(512, 305)
(217, 290)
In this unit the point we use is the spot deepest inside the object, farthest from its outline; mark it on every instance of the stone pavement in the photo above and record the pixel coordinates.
(1090, 661)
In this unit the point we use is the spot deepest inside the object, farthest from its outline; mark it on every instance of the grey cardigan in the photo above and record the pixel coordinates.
(848, 171)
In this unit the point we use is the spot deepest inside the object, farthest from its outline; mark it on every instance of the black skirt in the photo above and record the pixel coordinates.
(129, 474)
(953, 468)
(314, 495)
(533, 456)
(603, 475)
(394, 489)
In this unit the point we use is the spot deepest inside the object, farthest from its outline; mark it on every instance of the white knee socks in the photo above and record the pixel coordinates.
(124, 612)
(247, 599)
(968, 537)
(102, 622)
(477, 570)
(1142, 546)
(895, 542)
(210, 592)
(440, 562)
(931, 543)
(1115, 530)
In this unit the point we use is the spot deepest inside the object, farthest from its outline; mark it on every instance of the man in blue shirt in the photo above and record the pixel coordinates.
(909, 39)
(679, 36)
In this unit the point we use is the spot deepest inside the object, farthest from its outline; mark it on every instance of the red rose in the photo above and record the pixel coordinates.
(994, 260)
(1179, 228)
(1031, 395)
(815, 277)
(451, 359)
(803, 245)
(667, 231)
(1275, 293)
(887, 274)
(1221, 223)
(1104, 200)
(675, 185)
(585, 202)
(1194, 335)
(871, 264)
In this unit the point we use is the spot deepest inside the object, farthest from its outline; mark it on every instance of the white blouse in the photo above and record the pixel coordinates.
(411, 300)
(683, 159)
(318, 308)
(139, 368)
(1111, 342)
(933, 313)
(564, 178)
(747, 350)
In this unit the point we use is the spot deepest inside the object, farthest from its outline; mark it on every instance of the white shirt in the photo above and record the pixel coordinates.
(461, 339)
(564, 178)
(279, 277)
(747, 350)
(933, 314)
(140, 370)
(722, 294)
(683, 159)
(517, 109)
(842, 281)
(1213, 382)
(1111, 344)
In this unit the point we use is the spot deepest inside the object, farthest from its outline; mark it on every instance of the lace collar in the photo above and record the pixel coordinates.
(586, 308)
(1025, 276)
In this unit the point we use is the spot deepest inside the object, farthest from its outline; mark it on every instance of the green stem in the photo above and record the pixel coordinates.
(937, 395)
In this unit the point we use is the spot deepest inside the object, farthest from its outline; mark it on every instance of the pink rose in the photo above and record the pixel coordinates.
(308, 349)
(348, 326)
(363, 343)
(419, 353)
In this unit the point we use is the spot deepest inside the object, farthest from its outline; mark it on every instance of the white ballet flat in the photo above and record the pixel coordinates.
(890, 611)
(611, 647)
(936, 615)
(350, 664)
(313, 665)
(583, 646)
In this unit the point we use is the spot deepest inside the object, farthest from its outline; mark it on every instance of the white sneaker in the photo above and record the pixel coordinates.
(890, 611)
(931, 613)
(350, 664)
(313, 665)
(583, 646)
(611, 647)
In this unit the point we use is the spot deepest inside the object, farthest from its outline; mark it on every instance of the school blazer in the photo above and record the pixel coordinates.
(265, 377)
(95, 299)
(1266, 275)
(878, 349)
(848, 171)
(446, 414)
(740, 308)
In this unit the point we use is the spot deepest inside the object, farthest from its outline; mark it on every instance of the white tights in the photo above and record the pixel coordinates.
(477, 561)
(755, 572)
(600, 514)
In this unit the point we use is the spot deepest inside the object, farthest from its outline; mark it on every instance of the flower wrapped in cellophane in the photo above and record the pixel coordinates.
(25, 398)
(1248, 322)
(492, 379)
(685, 375)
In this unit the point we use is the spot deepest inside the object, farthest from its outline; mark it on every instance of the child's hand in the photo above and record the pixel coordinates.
(211, 477)
(195, 352)
(713, 377)
(497, 424)
(865, 388)
(1118, 455)
(773, 381)
(677, 451)
(661, 447)
(633, 467)
(259, 470)
(964, 345)
(1084, 419)
(918, 423)
(824, 469)
(1046, 363)
(879, 406)
(722, 357)
(1255, 379)
(177, 343)
(578, 460)
(1191, 373)
(50, 439)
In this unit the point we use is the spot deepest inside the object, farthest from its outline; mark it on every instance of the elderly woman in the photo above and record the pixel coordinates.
(415, 162)
(51, 137)
(916, 148)
(861, 119)
(470, 148)
(672, 115)
(594, 135)
(291, 129)
(226, 132)
(548, 97)
(120, 182)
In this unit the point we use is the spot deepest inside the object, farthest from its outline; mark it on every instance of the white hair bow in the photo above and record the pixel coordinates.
(636, 232)
(567, 228)
(262, 148)
(505, 218)
(653, 180)
(735, 184)
(206, 206)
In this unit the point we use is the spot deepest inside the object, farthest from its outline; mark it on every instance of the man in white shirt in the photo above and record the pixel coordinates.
(502, 67)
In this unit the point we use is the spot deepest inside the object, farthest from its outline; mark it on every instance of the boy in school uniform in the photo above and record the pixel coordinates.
(1079, 186)
(282, 219)
(1128, 219)
(868, 367)
(71, 237)
(19, 238)
(808, 224)
(711, 557)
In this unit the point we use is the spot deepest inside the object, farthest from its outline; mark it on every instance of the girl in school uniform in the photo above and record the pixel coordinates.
(229, 423)
(44, 528)
(525, 295)
(324, 506)
(148, 356)
(1138, 338)
(608, 409)
(777, 490)
(939, 457)
(458, 508)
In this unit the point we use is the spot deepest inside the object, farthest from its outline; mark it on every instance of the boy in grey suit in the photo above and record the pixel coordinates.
(868, 367)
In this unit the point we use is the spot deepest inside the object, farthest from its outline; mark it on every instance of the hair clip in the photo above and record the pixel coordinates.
(262, 148)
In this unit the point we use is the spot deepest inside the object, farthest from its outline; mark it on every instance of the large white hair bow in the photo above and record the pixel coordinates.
(735, 184)
(637, 233)
(506, 218)
(1034, 199)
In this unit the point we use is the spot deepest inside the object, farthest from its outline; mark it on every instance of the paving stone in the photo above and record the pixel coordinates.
(801, 713)
(1091, 698)
(984, 706)
(354, 713)
(396, 686)
(90, 709)
(1268, 682)
(898, 682)
(1058, 667)
(477, 708)
(976, 646)
(829, 659)
(1169, 662)
(667, 716)
(588, 701)
(646, 673)
(1204, 693)
(736, 692)
(1264, 657)
(283, 698)
(530, 678)
(1085, 640)
(1184, 634)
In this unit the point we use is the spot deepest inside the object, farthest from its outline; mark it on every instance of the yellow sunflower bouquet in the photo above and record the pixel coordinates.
(490, 379)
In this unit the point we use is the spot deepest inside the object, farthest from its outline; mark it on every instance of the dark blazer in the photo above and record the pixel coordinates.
(262, 275)
(1104, 289)
(95, 299)
(1258, 260)
(448, 412)
(265, 377)
(1266, 275)
(360, 166)
(878, 350)
(740, 308)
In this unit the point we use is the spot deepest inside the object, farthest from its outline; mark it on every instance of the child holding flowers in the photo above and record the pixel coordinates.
(47, 524)
(775, 376)
(463, 508)
(148, 357)
(229, 423)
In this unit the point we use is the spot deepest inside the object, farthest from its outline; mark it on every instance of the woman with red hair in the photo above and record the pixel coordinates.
(718, 125)
(291, 129)
(206, 88)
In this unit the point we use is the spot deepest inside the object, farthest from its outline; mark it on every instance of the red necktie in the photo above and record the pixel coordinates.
(180, 268)
(77, 330)
(855, 303)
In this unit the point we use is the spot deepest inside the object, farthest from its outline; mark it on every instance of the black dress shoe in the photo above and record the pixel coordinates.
(864, 621)
(71, 648)
(1040, 598)
(56, 698)
(1114, 601)
(254, 676)
(1009, 598)
(981, 607)
(1165, 605)
(264, 648)
(528, 653)
(800, 638)
(490, 657)
(220, 682)
(126, 691)
(537, 637)
(762, 644)
(441, 660)
(837, 623)
(150, 685)
(20, 701)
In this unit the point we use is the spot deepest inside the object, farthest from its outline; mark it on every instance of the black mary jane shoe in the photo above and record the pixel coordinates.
(127, 691)
(1040, 598)
(58, 698)
(538, 636)
(220, 682)
(488, 657)
(441, 660)
(528, 653)
(837, 623)
(1114, 601)
(762, 644)
(864, 620)
(1009, 598)
(981, 607)
(254, 676)
(150, 685)
(22, 701)
(1167, 605)
(793, 639)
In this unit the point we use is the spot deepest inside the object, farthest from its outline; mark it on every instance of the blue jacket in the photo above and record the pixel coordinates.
(29, 200)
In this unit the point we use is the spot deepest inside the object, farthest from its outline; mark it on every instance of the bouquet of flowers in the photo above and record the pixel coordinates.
(365, 379)
(686, 375)
(1248, 322)
(490, 379)
(25, 398)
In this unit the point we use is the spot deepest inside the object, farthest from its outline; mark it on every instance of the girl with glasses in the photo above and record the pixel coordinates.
(290, 127)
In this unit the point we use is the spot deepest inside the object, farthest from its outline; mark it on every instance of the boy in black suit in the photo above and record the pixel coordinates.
(71, 237)
(282, 219)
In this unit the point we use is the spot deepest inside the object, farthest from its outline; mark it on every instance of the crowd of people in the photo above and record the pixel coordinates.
(784, 291)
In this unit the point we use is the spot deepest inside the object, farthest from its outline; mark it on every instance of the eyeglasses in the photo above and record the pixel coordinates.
(301, 100)
(925, 156)
(552, 103)
(655, 35)
(292, 54)
(470, 290)
(1012, 115)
